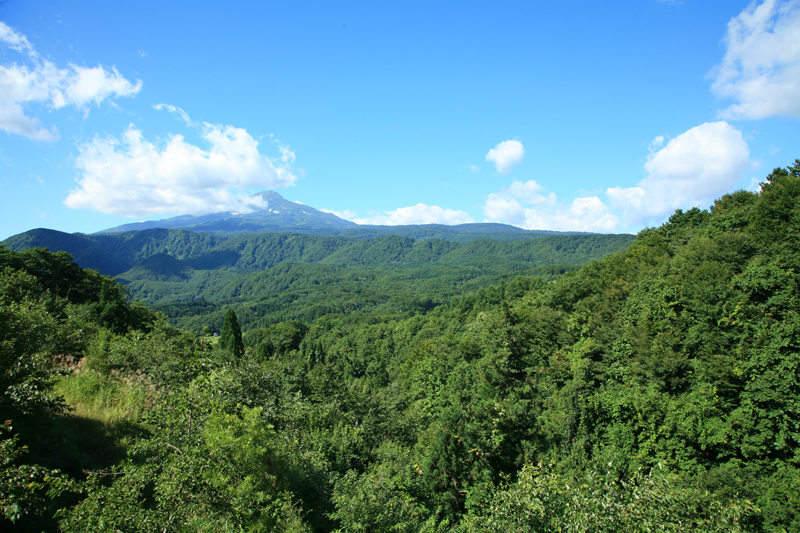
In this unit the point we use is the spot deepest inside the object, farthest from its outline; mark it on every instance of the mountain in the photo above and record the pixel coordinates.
(272, 277)
(113, 254)
(457, 233)
(293, 261)
(282, 215)
(279, 215)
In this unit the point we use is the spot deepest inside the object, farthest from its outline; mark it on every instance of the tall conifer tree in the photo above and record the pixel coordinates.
(231, 337)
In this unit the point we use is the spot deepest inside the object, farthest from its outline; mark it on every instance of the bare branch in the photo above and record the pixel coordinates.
(103, 473)
(171, 446)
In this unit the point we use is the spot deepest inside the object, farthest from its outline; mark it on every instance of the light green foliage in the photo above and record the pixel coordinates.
(215, 474)
(542, 501)
(167, 356)
(382, 498)
(111, 398)
(244, 441)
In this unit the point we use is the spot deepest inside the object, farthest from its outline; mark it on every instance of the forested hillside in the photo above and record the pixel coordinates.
(281, 277)
(113, 255)
(194, 277)
(656, 389)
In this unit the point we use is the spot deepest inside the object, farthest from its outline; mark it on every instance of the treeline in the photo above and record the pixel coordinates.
(655, 389)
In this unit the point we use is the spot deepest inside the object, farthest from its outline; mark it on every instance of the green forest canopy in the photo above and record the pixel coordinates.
(655, 389)
(194, 278)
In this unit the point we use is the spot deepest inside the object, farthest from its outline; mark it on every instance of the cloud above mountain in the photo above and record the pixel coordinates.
(417, 214)
(132, 176)
(528, 206)
(689, 170)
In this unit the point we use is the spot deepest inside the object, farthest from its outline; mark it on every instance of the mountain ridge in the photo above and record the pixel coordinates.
(113, 254)
(278, 213)
(281, 215)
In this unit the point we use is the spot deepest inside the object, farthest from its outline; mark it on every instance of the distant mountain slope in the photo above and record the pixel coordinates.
(181, 249)
(282, 215)
(458, 233)
(300, 277)
(272, 277)
(112, 254)
(279, 215)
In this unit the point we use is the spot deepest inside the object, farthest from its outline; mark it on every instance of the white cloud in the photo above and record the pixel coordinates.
(761, 68)
(656, 144)
(506, 156)
(754, 185)
(693, 169)
(287, 156)
(15, 41)
(346, 214)
(473, 169)
(501, 207)
(418, 214)
(176, 110)
(134, 177)
(583, 214)
(39, 81)
(530, 193)
(543, 211)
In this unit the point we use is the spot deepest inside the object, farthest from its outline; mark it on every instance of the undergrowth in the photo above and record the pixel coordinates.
(111, 399)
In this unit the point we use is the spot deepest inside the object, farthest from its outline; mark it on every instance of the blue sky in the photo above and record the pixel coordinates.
(592, 116)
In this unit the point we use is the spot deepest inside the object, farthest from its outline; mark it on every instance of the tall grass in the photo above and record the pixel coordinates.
(111, 399)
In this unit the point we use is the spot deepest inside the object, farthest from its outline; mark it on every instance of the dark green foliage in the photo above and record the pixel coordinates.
(274, 278)
(55, 272)
(111, 309)
(277, 339)
(230, 339)
(146, 254)
(23, 487)
(111, 255)
(34, 328)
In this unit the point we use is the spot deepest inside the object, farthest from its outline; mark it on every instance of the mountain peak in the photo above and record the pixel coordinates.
(279, 215)
(270, 197)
